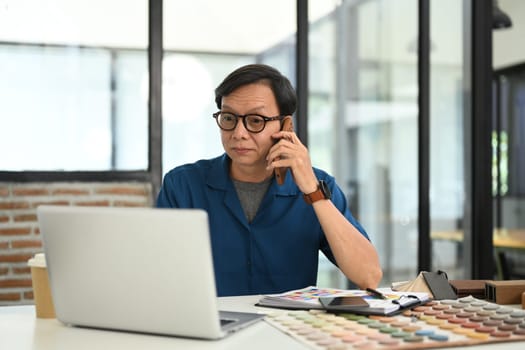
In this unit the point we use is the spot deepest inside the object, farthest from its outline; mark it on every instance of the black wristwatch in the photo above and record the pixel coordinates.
(322, 192)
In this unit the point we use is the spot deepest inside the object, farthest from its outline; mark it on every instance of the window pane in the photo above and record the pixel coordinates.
(74, 82)
(447, 141)
(200, 50)
(363, 118)
(509, 143)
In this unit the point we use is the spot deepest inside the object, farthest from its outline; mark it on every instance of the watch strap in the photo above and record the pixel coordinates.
(315, 196)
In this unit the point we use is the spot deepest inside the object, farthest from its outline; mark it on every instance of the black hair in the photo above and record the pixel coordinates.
(260, 73)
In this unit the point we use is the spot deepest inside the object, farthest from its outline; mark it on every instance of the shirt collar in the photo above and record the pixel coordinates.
(219, 178)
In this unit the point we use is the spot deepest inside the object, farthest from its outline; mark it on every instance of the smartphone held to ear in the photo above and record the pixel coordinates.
(280, 173)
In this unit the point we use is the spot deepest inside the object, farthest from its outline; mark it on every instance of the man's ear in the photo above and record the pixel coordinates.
(287, 123)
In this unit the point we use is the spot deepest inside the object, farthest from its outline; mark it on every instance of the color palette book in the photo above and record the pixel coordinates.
(309, 298)
(306, 298)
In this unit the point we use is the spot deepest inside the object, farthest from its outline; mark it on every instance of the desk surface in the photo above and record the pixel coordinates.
(20, 330)
(502, 238)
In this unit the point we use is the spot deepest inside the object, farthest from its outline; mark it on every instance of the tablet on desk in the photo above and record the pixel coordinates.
(371, 304)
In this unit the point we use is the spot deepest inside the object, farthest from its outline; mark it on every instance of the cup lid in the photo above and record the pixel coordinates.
(39, 260)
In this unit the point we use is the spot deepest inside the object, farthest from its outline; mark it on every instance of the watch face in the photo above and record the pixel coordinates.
(324, 188)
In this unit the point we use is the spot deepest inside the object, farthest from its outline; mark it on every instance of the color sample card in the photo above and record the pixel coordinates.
(437, 324)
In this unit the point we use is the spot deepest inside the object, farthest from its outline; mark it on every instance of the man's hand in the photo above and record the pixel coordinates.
(290, 152)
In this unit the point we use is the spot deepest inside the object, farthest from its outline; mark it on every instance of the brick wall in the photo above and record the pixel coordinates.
(19, 233)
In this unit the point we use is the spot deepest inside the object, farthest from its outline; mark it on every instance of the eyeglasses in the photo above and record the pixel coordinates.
(252, 122)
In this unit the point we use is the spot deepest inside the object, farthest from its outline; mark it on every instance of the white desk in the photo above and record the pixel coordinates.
(21, 330)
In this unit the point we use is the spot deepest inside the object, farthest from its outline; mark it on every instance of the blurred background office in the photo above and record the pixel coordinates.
(100, 98)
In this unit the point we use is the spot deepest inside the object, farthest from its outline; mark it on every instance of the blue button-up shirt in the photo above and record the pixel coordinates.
(277, 251)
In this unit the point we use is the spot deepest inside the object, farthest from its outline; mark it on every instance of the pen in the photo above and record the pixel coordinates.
(376, 293)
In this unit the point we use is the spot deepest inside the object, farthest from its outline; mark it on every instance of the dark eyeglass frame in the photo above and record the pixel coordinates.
(237, 116)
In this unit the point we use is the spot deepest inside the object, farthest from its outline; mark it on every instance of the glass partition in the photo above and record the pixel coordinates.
(509, 141)
(447, 136)
(363, 120)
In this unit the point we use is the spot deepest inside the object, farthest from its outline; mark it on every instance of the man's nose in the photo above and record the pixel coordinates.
(240, 130)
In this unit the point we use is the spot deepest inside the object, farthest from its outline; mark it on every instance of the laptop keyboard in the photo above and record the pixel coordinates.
(225, 321)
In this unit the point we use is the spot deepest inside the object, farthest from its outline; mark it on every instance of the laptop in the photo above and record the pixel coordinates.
(135, 269)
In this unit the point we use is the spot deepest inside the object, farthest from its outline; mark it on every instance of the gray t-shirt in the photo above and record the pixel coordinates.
(251, 194)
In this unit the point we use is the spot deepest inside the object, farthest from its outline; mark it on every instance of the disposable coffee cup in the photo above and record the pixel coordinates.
(42, 293)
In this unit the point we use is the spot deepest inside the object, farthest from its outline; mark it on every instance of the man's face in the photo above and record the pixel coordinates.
(248, 149)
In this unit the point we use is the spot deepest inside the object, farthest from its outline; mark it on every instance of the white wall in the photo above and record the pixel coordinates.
(509, 44)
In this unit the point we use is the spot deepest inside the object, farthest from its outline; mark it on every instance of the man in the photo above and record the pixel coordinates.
(266, 237)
